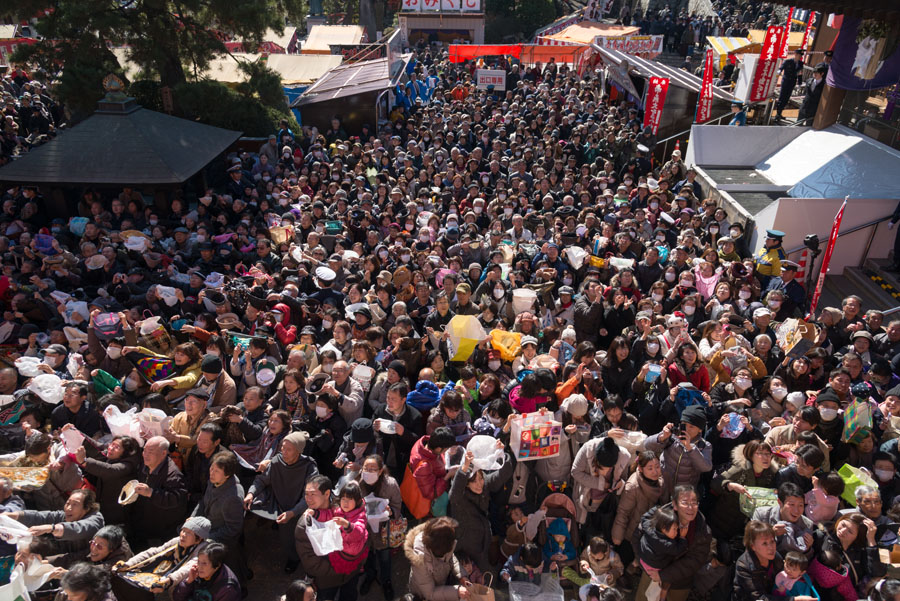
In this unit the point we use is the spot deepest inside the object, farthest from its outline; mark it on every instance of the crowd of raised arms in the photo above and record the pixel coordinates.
(290, 355)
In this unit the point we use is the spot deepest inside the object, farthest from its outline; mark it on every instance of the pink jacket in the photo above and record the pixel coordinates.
(821, 507)
(524, 404)
(825, 577)
(356, 547)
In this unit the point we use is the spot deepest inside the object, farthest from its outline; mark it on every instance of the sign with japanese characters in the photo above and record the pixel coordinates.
(471, 6)
(412, 5)
(443, 6)
(645, 46)
(704, 103)
(490, 77)
(656, 99)
(764, 77)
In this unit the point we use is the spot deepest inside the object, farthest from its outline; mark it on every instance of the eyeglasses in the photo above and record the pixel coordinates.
(689, 504)
(871, 501)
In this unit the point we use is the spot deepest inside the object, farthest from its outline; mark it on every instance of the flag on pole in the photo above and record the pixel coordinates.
(827, 259)
(704, 101)
(656, 99)
(812, 20)
(787, 34)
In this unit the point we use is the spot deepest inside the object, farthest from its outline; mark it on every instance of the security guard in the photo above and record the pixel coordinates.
(794, 293)
(768, 259)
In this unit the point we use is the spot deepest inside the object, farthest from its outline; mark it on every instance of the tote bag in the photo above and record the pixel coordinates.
(412, 497)
(482, 592)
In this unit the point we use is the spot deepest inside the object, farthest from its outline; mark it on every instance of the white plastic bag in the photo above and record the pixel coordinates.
(13, 532)
(119, 423)
(376, 511)
(48, 387)
(486, 455)
(37, 574)
(653, 591)
(72, 439)
(16, 587)
(151, 422)
(28, 366)
(325, 537)
(549, 590)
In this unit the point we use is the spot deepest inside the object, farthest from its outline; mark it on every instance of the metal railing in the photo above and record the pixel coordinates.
(858, 121)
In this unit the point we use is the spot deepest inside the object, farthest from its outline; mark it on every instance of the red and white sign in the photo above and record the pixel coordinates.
(432, 5)
(412, 5)
(490, 77)
(704, 103)
(656, 99)
(764, 78)
(787, 34)
(471, 6)
(812, 20)
(449, 5)
(645, 46)
(827, 258)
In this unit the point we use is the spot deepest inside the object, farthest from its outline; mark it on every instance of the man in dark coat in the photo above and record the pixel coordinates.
(162, 496)
(814, 89)
(792, 69)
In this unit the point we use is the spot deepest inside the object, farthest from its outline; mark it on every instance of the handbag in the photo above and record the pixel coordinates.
(412, 497)
(393, 532)
(482, 592)
(857, 421)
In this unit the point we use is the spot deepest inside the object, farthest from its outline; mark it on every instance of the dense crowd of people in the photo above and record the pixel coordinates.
(285, 353)
(31, 115)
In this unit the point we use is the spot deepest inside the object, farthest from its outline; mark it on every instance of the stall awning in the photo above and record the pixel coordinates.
(586, 31)
(723, 46)
(532, 54)
(321, 36)
(349, 80)
(468, 52)
(647, 69)
(758, 36)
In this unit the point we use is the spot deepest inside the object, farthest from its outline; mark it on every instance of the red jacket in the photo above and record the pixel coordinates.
(699, 377)
(286, 335)
(428, 469)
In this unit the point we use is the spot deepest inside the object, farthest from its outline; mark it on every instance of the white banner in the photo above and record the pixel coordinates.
(471, 6)
(646, 46)
(412, 5)
(490, 77)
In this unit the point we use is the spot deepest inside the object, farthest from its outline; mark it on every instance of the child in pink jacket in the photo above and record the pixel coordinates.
(350, 515)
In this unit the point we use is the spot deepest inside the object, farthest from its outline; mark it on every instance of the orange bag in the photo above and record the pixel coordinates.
(417, 504)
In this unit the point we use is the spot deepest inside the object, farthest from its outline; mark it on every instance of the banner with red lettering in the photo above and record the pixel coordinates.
(812, 20)
(787, 34)
(656, 99)
(765, 68)
(827, 258)
(704, 102)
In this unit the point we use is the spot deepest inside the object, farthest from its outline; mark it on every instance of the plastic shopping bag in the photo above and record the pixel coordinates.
(549, 590)
(853, 478)
(535, 436)
(376, 511)
(14, 532)
(465, 332)
(325, 537)
(508, 344)
(486, 455)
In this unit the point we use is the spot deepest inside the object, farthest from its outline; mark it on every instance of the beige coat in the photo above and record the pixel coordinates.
(428, 573)
(637, 497)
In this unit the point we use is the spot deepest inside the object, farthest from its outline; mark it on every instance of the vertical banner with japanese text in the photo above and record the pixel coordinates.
(827, 258)
(704, 102)
(787, 34)
(765, 68)
(656, 99)
(812, 20)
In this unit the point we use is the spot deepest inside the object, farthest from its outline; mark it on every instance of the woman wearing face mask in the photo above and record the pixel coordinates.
(692, 307)
(773, 395)
(832, 426)
(326, 428)
(374, 479)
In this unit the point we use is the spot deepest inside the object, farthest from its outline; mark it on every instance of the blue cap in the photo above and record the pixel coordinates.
(776, 234)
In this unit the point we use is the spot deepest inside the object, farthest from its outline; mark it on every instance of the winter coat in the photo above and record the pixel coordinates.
(471, 511)
(638, 496)
(76, 535)
(680, 466)
(111, 476)
(281, 486)
(832, 583)
(428, 469)
(680, 574)
(223, 506)
(223, 586)
(123, 553)
(659, 551)
(585, 480)
(428, 574)
(753, 582)
(863, 561)
(385, 488)
(726, 518)
(792, 539)
(588, 319)
(397, 448)
(356, 540)
(519, 572)
(158, 515)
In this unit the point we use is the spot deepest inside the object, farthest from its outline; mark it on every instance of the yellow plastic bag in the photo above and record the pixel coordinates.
(465, 332)
(509, 344)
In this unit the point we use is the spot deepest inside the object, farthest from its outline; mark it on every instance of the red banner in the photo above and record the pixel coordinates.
(765, 68)
(787, 34)
(656, 99)
(812, 19)
(827, 258)
(704, 103)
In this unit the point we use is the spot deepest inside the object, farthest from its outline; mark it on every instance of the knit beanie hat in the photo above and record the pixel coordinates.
(607, 453)
(298, 439)
(199, 525)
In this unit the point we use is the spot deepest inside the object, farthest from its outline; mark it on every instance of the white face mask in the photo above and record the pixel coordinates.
(370, 478)
(130, 385)
(383, 254)
(656, 296)
(404, 258)
(652, 347)
(670, 277)
(884, 475)
(326, 324)
(828, 414)
(713, 229)
(493, 365)
(686, 283)
(735, 234)
(499, 292)
(745, 294)
(477, 210)
(778, 393)
(689, 310)
(114, 352)
(742, 383)
(567, 281)
(321, 411)
(326, 367)
(51, 361)
(774, 303)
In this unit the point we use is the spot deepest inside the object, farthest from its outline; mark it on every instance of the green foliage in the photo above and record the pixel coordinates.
(147, 94)
(534, 14)
(262, 83)
(216, 104)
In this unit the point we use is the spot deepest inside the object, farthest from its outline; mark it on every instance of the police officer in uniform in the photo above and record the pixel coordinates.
(792, 70)
(768, 259)
(814, 89)
(794, 293)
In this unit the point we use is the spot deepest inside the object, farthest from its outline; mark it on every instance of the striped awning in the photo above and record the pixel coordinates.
(722, 46)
